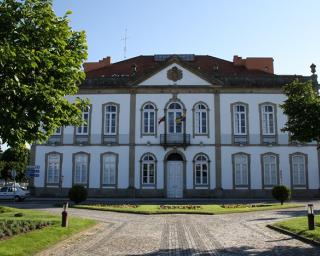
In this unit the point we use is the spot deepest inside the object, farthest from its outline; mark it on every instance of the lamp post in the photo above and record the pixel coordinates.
(310, 217)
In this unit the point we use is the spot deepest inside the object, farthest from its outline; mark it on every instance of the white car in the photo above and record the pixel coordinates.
(16, 193)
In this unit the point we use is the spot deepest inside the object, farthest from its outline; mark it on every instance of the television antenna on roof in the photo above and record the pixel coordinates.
(125, 38)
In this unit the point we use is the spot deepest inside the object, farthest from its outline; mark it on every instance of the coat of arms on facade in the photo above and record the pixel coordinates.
(174, 74)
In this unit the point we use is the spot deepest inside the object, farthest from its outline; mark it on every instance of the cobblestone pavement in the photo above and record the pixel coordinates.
(231, 234)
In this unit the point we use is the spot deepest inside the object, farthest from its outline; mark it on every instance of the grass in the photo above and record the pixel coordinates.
(299, 226)
(35, 241)
(205, 209)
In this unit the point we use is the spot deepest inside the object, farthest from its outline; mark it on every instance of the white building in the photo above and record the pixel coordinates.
(179, 126)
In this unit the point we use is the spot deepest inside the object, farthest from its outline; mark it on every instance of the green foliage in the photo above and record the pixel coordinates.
(303, 110)
(281, 193)
(40, 63)
(78, 193)
(14, 158)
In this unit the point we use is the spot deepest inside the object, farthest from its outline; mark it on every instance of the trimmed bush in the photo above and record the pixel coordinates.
(281, 193)
(78, 193)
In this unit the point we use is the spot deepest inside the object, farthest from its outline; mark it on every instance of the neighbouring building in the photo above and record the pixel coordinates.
(179, 126)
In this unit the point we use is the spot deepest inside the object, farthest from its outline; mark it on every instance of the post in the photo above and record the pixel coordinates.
(64, 222)
(310, 217)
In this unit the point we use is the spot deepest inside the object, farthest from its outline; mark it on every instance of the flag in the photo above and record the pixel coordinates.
(180, 119)
(162, 119)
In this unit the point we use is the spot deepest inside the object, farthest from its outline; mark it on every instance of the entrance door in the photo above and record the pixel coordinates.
(175, 179)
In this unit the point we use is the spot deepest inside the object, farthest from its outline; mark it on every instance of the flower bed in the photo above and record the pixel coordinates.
(233, 206)
(122, 206)
(9, 228)
(180, 207)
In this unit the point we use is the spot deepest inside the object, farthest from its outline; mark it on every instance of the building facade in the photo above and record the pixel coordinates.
(179, 126)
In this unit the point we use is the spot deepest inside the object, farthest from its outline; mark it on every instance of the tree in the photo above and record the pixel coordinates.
(14, 158)
(40, 63)
(303, 110)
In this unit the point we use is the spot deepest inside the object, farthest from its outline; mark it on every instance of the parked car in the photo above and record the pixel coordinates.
(16, 193)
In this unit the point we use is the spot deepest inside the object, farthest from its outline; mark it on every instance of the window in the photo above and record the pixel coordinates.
(298, 172)
(148, 169)
(239, 119)
(81, 162)
(53, 168)
(58, 131)
(201, 119)
(175, 118)
(110, 125)
(268, 120)
(270, 170)
(84, 128)
(109, 169)
(201, 170)
(149, 119)
(241, 170)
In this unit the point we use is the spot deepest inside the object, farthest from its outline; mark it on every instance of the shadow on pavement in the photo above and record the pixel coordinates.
(241, 251)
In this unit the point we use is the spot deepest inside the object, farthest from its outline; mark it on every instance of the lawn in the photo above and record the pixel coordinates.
(37, 240)
(201, 209)
(299, 226)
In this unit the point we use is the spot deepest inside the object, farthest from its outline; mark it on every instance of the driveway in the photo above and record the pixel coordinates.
(182, 234)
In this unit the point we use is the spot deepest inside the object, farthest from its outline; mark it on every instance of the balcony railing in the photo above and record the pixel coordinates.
(177, 139)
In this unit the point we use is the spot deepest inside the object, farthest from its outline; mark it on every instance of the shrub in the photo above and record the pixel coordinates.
(19, 214)
(78, 193)
(281, 193)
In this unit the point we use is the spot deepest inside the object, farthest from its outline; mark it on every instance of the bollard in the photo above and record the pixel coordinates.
(310, 217)
(64, 222)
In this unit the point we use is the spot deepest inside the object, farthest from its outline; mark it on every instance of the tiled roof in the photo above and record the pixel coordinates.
(119, 73)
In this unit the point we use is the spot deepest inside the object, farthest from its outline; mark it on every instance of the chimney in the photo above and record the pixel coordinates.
(89, 66)
(255, 63)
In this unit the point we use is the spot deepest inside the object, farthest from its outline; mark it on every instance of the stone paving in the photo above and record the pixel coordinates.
(183, 234)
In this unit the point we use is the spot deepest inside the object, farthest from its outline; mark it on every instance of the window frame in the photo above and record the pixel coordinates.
(155, 111)
(174, 99)
(88, 124)
(46, 182)
(195, 111)
(240, 138)
(265, 137)
(239, 186)
(305, 158)
(114, 137)
(106, 185)
(277, 165)
(195, 162)
(142, 162)
(86, 184)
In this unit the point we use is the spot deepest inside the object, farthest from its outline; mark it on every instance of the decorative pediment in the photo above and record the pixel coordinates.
(174, 74)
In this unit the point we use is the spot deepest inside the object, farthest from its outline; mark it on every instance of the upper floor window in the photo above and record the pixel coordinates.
(81, 167)
(148, 169)
(53, 168)
(201, 170)
(298, 171)
(175, 118)
(268, 119)
(200, 119)
(109, 169)
(84, 128)
(149, 119)
(270, 169)
(239, 119)
(111, 119)
(241, 170)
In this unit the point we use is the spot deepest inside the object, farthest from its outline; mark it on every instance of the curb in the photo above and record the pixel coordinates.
(294, 235)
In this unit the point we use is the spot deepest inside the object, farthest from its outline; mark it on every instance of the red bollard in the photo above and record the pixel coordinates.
(64, 222)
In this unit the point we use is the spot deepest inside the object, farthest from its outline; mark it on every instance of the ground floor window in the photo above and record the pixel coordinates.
(270, 169)
(241, 170)
(148, 163)
(298, 172)
(109, 169)
(201, 169)
(81, 162)
(53, 168)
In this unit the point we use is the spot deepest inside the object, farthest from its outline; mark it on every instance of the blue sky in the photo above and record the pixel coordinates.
(287, 30)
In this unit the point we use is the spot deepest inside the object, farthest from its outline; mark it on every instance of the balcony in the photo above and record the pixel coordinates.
(175, 140)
